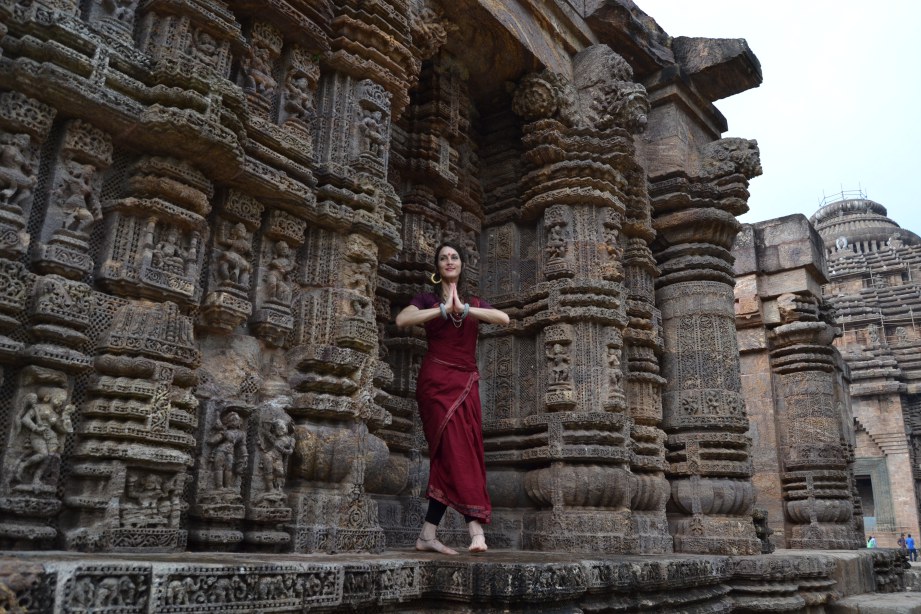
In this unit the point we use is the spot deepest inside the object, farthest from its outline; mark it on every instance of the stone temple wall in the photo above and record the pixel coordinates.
(874, 267)
(212, 209)
(796, 386)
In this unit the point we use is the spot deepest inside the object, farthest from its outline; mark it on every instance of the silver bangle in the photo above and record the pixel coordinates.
(466, 310)
(444, 311)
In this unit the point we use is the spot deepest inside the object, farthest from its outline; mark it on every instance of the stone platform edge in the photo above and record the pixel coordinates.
(67, 582)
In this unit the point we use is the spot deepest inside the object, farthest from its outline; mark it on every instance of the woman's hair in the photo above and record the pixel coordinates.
(462, 280)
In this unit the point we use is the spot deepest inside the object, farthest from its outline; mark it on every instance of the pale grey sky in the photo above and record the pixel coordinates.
(840, 103)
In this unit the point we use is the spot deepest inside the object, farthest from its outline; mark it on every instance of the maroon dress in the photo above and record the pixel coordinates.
(448, 395)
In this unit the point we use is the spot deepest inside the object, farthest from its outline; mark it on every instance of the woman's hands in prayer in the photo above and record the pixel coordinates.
(454, 304)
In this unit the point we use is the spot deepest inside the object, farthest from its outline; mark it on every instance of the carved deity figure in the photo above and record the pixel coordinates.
(901, 334)
(168, 253)
(556, 242)
(298, 97)
(277, 444)
(146, 490)
(205, 47)
(228, 454)
(615, 376)
(470, 246)
(152, 501)
(121, 10)
(873, 334)
(80, 205)
(612, 242)
(558, 356)
(16, 177)
(45, 417)
(371, 127)
(277, 278)
(258, 70)
(895, 241)
(234, 261)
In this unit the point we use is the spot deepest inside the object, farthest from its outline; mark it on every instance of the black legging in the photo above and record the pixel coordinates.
(437, 511)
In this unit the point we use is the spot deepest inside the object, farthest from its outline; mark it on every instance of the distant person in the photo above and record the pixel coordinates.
(901, 543)
(910, 546)
(871, 543)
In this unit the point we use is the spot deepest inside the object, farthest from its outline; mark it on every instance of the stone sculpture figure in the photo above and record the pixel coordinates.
(259, 72)
(229, 454)
(46, 417)
(121, 10)
(278, 284)
(615, 375)
(559, 365)
(371, 128)
(205, 47)
(276, 444)
(168, 254)
(556, 242)
(81, 208)
(16, 177)
(873, 335)
(298, 97)
(234, 261)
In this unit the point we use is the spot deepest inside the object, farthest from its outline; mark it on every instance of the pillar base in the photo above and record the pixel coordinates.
(700, 534)
(572, 530)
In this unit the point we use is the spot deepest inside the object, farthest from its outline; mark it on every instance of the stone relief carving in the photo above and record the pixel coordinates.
(16, 173)
(130, 282)
(44, 419)
(228, 453)
(730, 156)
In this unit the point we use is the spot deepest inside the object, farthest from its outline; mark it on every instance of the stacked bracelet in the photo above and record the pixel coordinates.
(444, 311)
(466, 310)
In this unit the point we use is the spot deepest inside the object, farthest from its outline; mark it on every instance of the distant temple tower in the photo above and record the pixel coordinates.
(874, 286)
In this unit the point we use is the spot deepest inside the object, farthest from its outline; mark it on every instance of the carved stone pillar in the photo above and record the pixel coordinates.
(815, 474)
(643, 382)
(338, 374)
(135, 438)
(712, 495)
(579, 148)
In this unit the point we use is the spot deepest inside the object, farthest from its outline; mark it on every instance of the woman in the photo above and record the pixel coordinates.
(449, 399)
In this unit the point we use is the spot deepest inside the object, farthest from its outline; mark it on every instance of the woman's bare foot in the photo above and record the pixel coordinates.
(433, 545)
(427, 542)
(477, 537)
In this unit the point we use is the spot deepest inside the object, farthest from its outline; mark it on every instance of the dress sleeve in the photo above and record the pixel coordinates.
(482, 303)
(423, 301)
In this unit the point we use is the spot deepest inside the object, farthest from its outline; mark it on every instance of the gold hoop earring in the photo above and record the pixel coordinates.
(435, 281)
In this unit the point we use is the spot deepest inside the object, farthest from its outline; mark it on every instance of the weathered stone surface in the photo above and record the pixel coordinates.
(718, 67)
(873, 287)
(210, 211)
(795, 387)
(394, 582)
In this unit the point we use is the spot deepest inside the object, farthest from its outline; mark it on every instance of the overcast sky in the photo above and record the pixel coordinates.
(840, 105)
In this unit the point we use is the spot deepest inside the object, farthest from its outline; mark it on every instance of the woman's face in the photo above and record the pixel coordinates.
(449, 264)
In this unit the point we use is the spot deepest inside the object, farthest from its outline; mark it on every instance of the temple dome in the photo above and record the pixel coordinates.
(859, 225)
